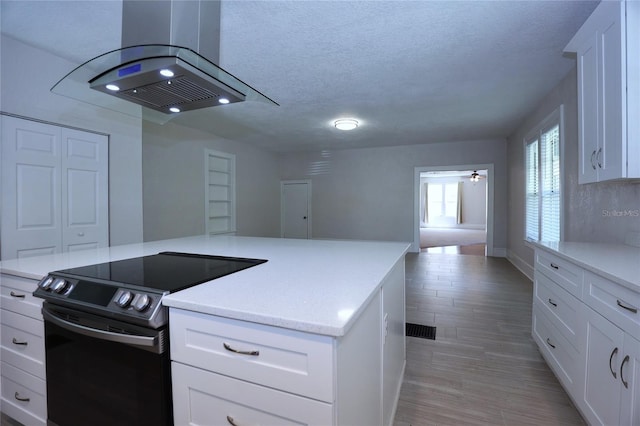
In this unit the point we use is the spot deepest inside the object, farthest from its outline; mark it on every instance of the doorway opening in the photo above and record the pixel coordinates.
(453, 209)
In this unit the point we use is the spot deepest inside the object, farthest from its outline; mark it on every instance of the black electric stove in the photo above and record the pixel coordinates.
(131, 290)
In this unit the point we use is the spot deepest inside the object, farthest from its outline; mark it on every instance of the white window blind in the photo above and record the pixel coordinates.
(543, 194)
(532, 178)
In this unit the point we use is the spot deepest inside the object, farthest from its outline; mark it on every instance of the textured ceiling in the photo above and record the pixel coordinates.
(410, 71)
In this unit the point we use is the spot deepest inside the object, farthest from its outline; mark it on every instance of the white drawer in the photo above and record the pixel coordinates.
(23, 342)
(561, 356)
(616, 303)
(205, 398)
(289, 360)
(16, 295)
(23, 396)
(565, 274)
(562, 308)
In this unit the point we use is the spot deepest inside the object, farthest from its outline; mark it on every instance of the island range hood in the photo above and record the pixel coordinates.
(165, 67)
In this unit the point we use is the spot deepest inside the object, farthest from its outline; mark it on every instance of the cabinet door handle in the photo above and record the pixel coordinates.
(627, 307)
(19, 296)
(550, 344)
(230, 349)
(624, 361)
(231, 421)
(593, 164)
(17, 342)
(553, 303)
(599, 157)
(613, 373)
(19, 398)
(554, 266)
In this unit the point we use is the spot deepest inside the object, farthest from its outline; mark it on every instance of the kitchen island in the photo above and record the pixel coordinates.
(326, 317)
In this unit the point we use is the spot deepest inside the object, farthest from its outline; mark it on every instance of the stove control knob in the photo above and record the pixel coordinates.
(60, 285)
(45, 284)
(141, 302)
(124, 299)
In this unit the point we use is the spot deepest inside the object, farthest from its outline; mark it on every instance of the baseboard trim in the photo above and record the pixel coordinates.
(520, 264)
(499, 252)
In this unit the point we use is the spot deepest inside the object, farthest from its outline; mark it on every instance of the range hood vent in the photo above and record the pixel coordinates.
(158, 82)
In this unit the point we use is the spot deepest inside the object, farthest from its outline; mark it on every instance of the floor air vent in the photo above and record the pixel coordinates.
(421, 331)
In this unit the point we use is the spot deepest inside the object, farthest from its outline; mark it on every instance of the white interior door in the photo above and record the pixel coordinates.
(54, 189)
(30, 189)
(296, 209)
(85, 207)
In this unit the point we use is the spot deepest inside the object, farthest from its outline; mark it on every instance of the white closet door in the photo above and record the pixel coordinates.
(31, 187)
(54, 189)
(85, 208)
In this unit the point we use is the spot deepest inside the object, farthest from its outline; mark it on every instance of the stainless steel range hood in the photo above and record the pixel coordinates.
(161, 72)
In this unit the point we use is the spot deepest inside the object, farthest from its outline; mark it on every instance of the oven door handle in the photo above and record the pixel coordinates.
(145, 341)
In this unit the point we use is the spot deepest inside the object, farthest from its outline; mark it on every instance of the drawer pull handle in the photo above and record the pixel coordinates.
(230, 349)
(553, 303)
(554, 266)
(599, 157)
(17, 342)
(593, 164)
(624, 361)
(231, 421)
(19, 398)
(627, 307)
(613, 373)
(19, 296)
(550, 344)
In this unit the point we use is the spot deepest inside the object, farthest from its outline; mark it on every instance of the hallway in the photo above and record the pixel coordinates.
(483, 368)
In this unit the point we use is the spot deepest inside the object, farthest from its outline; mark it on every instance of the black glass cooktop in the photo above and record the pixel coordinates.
(167, 271)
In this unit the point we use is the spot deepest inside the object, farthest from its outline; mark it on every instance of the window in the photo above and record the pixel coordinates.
(543, 180)
(442, 203)
(220, 197)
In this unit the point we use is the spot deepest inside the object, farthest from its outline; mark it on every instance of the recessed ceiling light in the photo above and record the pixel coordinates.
(174, 109)
(166, 73)
(112, 87)
(223, 100)
(346, 124)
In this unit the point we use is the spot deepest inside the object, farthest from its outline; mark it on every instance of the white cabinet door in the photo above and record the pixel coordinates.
(587, 57)
(604, 353)
(612, 81)
(630, 378)
(54, 189)
(204, 398)
(31, 222)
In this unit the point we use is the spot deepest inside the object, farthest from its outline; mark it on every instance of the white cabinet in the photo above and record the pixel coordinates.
(227, 371)
(607, 52)
(54, 189)
(612, 393)
(588, 328)
(22, 369)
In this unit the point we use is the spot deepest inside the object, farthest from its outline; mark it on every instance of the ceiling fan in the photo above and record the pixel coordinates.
(475, 176)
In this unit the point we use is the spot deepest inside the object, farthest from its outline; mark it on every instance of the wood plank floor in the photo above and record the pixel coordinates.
(483, 368)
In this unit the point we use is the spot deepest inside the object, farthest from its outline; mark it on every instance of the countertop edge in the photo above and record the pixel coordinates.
(564, 251)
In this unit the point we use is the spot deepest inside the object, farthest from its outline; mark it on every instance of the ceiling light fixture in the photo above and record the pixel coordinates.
(475, 176)
(346, 124)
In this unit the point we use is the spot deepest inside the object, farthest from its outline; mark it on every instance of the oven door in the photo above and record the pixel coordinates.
(105, 372)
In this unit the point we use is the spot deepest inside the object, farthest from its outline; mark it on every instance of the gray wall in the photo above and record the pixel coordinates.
(369, 193)
(174, 193)
(27, 75)
(583, 204)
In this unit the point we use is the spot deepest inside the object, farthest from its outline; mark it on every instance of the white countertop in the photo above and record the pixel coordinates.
(317, 286)
(616, 262)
